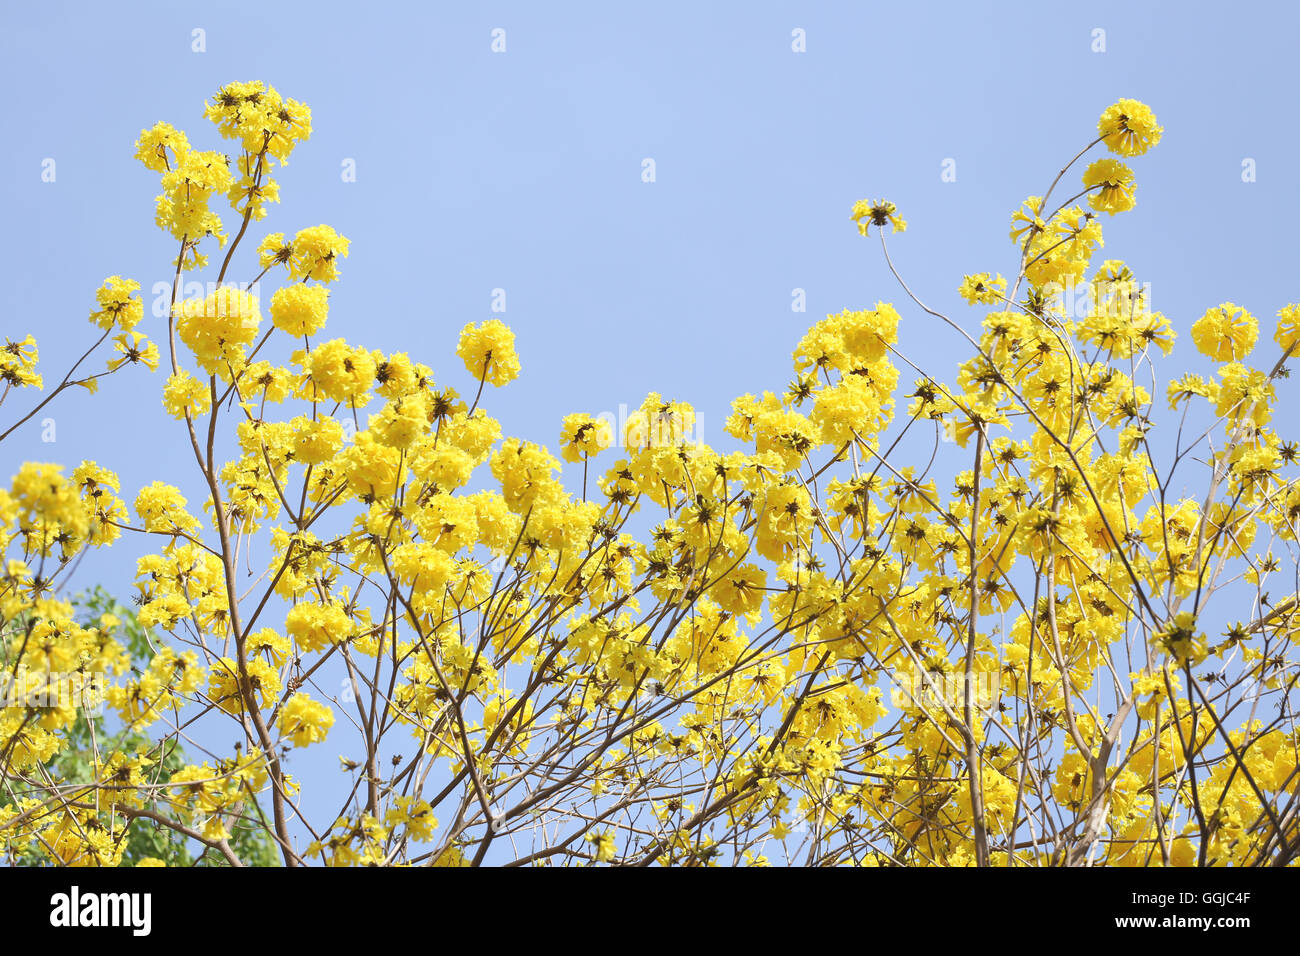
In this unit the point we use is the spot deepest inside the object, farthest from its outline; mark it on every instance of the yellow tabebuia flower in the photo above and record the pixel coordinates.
(305, 721)
(1129, 128)
(1226, 333)
(488, 351)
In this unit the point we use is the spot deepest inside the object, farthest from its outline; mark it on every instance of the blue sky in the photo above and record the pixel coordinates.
(522, 171)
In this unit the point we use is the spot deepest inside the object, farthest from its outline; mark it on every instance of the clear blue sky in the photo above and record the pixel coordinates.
(522, 171)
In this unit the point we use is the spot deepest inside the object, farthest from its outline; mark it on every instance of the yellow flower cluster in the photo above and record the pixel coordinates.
(219, 327)
(488, 351)
(878, 624)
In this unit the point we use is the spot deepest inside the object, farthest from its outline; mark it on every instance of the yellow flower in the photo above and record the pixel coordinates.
(1225, 333)
(219, 326)
(1153, 327)
(300, 309)
(339, 372)
(981, 288)
(117, 305)
(876, 212)
(260, 119)
(264, 380)
(582, 436)
(1027, 221)
(128, 346)
(250, 193)
(315, 440)
(183, 209)
(603, 844)
(162, 508)
(305, 721)
(741, 591)
(1245, 393)
(1116, 182)
(18, 363)
(1180, 639)
(415, 814)
(270, 642)
(315, 626)
(1129, 128)
(224, 684)
(849, 408)
(184, 394)
(316, 252)
(850, 341)
(396, 375)
(153, 145)
(273, 250)
(402, 420)
(1288, 326)
(488, 351)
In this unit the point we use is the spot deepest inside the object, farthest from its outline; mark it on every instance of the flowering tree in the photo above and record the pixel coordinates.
(1027, 646)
